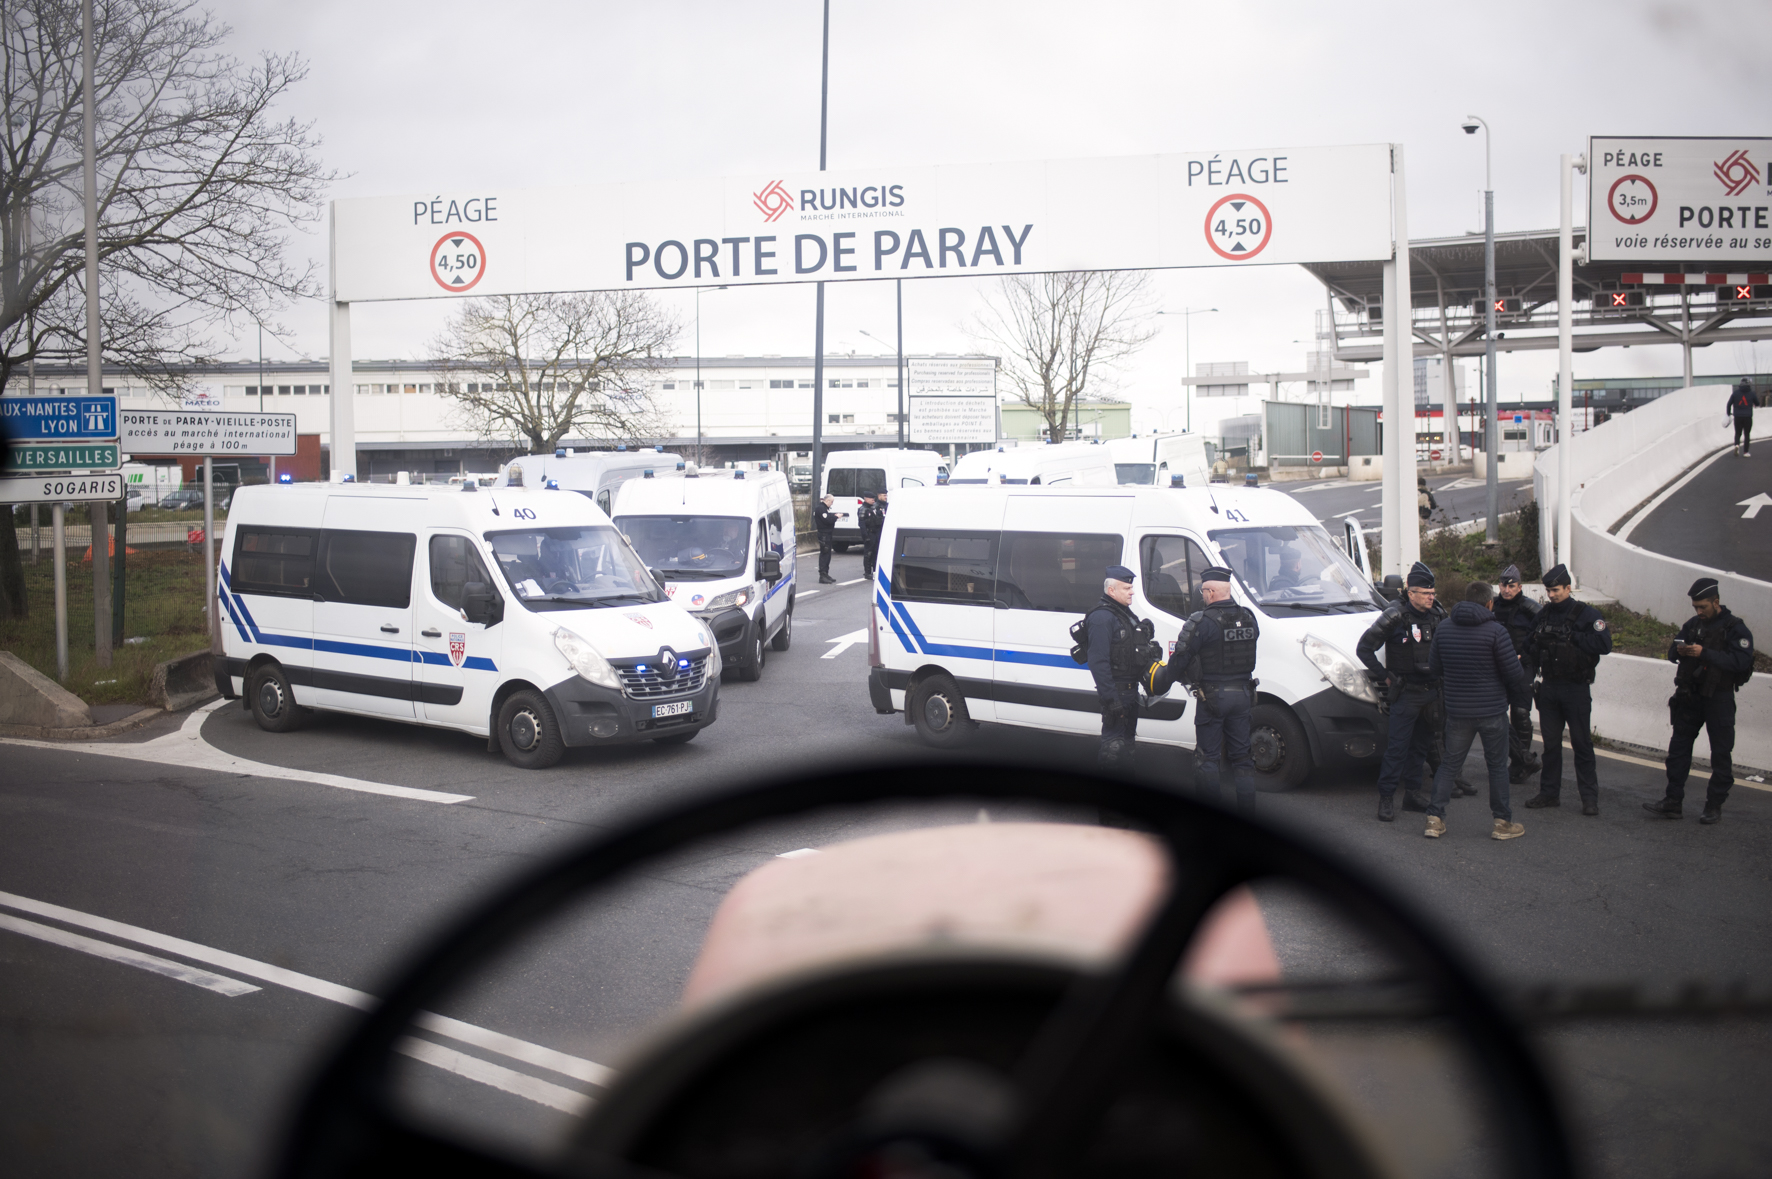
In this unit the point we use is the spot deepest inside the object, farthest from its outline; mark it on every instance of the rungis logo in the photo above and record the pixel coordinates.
(773, 201)
(1736, 172)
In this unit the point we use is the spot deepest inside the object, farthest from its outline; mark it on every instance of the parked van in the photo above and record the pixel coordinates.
(592, 473)
(723, 544)
(518, 615)
(977, 589)
(851, 474)
(1075, 464)
(1153, 460)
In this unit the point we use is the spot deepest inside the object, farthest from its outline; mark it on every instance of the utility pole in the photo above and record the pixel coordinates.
(902, 428)
(824, 95)
(96, 513)
(1491, 532)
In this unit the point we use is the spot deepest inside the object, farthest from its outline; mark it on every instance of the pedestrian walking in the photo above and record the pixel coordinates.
(1113, 637)
(1480, 676)
(1404, 631)
(825, 521)
(1740, 411)
(1714, 652)
(1215, 658)
(1565, 645)
(1515, 610)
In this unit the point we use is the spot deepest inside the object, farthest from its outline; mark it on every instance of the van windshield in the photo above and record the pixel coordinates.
(570, 568)
(1141, 474)
(691, 548)
(1294, 570)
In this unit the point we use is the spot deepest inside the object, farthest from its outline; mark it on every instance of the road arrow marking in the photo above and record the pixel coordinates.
(842, 643)
(1754, 505)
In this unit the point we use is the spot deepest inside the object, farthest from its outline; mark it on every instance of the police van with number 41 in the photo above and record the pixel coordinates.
(978, 588)
(522, 616)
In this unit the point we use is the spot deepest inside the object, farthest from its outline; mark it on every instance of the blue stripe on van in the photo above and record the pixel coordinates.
(929, 648)
(892, 620)
(999, 655)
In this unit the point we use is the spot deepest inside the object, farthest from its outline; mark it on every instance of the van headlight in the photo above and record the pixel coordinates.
(1343, 674)
(586, 660)
(737, 597)
(707, 636)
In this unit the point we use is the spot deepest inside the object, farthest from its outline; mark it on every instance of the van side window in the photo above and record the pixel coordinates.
(603, 500)
(1055, 570)
(366, 568)
(955, 567)
(840, 481)
(277, 561)
(870, 480)
(775, 539)
(1171, 567)
(907, 481)
(454, 563)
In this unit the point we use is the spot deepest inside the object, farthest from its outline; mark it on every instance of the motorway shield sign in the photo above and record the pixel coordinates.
(62, 419)
(60, 456)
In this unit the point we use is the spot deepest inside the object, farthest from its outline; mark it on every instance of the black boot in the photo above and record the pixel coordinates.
(1667, 808)
(1590, 807)
(1415, 800)
(1541, 799)
(1713, 813)
(1387, 810)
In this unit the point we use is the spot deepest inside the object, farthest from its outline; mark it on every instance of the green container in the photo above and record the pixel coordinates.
(61, 456)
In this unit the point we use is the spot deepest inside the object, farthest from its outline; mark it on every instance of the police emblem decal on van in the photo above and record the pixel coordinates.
(458, 647)
(639, 620)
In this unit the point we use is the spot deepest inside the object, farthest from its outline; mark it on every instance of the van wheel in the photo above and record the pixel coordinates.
(273, 701)
(839, 548)
(527, 731)
(751, 670)
(939, 712)
(785, 635)
(677, 738)
(1281, 752)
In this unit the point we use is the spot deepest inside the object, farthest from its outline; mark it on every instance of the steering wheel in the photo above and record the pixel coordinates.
(971, 1067)
(561, 586)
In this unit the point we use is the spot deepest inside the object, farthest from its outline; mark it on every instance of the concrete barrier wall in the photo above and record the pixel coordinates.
(1630, 706)
(1616, 467)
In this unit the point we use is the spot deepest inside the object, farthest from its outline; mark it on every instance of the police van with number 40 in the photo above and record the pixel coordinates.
(522, 616)
(978, 587)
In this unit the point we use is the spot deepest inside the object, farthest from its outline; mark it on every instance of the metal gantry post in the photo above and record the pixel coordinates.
(902, 428)
(1492, 501)
(824, 92)
(95, 511)
(58, 520)
(209, 614)
(342, 418)
(1409, 523)
(1565, 350)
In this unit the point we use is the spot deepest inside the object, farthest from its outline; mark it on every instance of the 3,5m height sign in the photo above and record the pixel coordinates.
(1261, 206)
(1677, 200)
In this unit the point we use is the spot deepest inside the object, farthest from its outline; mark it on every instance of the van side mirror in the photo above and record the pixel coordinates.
(658, 577)
(769, 566)
(481, 604)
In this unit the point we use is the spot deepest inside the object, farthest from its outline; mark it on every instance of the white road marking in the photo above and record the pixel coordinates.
(499, 1077)
(187, 748)
(505, 1045)
(806, 593)
(220, 984)
(1754, 505)
(797, 853)
(1657, 765)
(1668, 493)
(844, 642)
(1355, 512)
(851, 581)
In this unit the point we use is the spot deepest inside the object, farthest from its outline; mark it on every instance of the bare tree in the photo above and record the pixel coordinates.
(197, 183)
(1061, 333)
(546, 367)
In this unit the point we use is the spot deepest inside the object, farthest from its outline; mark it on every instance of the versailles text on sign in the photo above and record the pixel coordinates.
(60, 456)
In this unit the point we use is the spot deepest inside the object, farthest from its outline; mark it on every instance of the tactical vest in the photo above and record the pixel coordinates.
(1558, 656)
(1699, 674)
(1228, 641)
(1405, 648)
(1129, 635)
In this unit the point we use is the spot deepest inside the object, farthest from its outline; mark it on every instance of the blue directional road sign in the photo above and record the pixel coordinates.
(57, 419)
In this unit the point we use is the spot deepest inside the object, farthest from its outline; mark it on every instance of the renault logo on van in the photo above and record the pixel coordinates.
(667, 663)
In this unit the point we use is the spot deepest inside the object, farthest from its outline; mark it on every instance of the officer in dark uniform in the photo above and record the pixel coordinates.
(1715, 654)
(1120, 649)
(1565, 645)
(870, 517)
(1405, 630)
(1740, 409)
(1517, 612)
(1215, 657)
(825, 521)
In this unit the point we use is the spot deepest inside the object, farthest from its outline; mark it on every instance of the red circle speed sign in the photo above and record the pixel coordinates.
(1242, 230)
(458, 261)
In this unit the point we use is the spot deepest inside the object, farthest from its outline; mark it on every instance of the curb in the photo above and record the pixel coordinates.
(83, 732)
(1660, 755)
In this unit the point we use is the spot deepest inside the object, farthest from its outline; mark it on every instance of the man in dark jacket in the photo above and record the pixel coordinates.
(870, 518)
(1715, 654)
(825, 521)
(1403, 631)
(1565, 645)
(1480, 676)
(1215, 657)
(1514, 610)
(1114, 642)
(1740, 409)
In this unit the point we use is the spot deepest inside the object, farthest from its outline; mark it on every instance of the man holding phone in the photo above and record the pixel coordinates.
(1715, 654)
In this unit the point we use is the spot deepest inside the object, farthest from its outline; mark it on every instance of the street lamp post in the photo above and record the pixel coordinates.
(1187, 354)
(1491, 533)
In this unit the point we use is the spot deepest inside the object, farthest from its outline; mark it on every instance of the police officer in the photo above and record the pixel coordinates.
(1215, 657)
(1564, 645)
(1517, 612)
(1406, 630)
(825, 521)
(1118, 650)
(870, 517)
(1715, 654)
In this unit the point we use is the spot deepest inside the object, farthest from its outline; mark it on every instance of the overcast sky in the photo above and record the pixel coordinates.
(439, 96)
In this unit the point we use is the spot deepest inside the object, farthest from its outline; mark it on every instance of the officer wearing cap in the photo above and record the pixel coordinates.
(1215, 658)
(1564, 645)
(1405, 630)
(1517, 612)
(1715, 655)
(1117, 649)
(1291, 570)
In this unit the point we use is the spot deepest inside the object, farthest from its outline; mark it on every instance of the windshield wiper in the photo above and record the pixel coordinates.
(700, 574)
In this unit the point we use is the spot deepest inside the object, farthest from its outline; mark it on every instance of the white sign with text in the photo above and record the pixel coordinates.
(1679, 200)
(177, 431)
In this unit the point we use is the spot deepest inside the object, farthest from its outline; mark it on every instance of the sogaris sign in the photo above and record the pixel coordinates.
(1270, 206)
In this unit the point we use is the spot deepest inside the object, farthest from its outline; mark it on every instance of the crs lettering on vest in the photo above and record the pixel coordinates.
(1239, 634)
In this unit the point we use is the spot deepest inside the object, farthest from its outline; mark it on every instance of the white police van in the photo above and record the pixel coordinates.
(1154, 460)
(722, 541)
(1076, 464)
(592, 473)
(850, 474)
(518, 615)
(977, 588)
